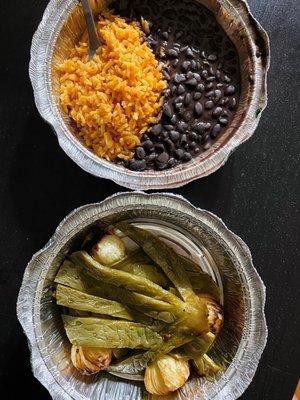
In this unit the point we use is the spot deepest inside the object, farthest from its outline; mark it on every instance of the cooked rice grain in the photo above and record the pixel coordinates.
(114, 97)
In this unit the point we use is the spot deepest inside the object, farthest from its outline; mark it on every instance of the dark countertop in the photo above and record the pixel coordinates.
(256, 194)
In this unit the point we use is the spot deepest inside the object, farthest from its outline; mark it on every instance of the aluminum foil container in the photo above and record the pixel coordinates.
(61, 28)
(194, 232)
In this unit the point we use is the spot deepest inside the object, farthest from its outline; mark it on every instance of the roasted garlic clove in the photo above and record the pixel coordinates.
(215, 314)
(109, 250)
(166, 374)
(90, 360)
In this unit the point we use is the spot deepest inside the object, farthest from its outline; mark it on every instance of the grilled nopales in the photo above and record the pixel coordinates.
(153, 301)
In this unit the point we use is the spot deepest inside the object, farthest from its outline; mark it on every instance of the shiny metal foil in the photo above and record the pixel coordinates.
(61, 28)
(194, 232)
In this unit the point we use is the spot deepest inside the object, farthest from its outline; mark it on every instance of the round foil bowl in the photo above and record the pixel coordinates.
(194, 232)
(61, 28)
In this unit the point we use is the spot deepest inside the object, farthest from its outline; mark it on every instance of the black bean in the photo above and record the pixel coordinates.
(174, 136)
(170, 145)
(187, 99)
(165, 35)
(196, 150)
(209, 104)
(189, 75)
(200, 126)
(217, 112)
(230, 90)
(223, 101)
(215, 131)
(185, 66)
(176, 46)
(197, 96)
(168, 127)
(163, 135)
(193, 136)
(198, 109)
(210, 94)
(187, 156)
(218, 75)
(197, 77)
(217, 95)
(207, 146)
(178, 106)
(183, 49)
(227, 79)
(186, 146)
(187, 116)
(162, 160)
(223, 121)
(137, 165)
(232, 103)
(207, 126)
(189, 53)
(212, 57)
(205, 138)
(173, 120)
(180, 89)
(156, 129)
(193, 64)
(145, 137)
(200, 87)
(203, 55)
(172, 162)
(179, 78)
(211, 79)
(204, 74)
(211, 71)
(151, 157)
(140, 152)
(167, 92)
(167, 110)
(193, 145)
(179, 99)
(172, 53)
(209, 86)
(183, 139)
(219, 85)
(159, 147)
(173, 89)
(147, 144)
(191, 82)
(179, 154)
(182, 126)
(175, 63)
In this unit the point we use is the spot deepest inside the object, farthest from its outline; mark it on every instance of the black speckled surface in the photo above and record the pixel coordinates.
(256, 194)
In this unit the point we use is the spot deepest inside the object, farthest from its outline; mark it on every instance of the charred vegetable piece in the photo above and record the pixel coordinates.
(74, 276)
(73, 298)
(205, 366)
(199, 346)
(138, 362)
(90, 360)
(97, 332)
(139, 264)
(124, 279)
(109, 250)
(163, 255)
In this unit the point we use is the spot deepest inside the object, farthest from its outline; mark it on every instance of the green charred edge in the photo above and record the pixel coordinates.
(205, 366)
(165, 257)
(137, 363)
(124, 279)
(97, 332)
(139, 264)
(199, 346)
(72, 298)
(74, 276)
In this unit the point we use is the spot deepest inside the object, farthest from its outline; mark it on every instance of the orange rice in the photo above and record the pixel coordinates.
(114, 97)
